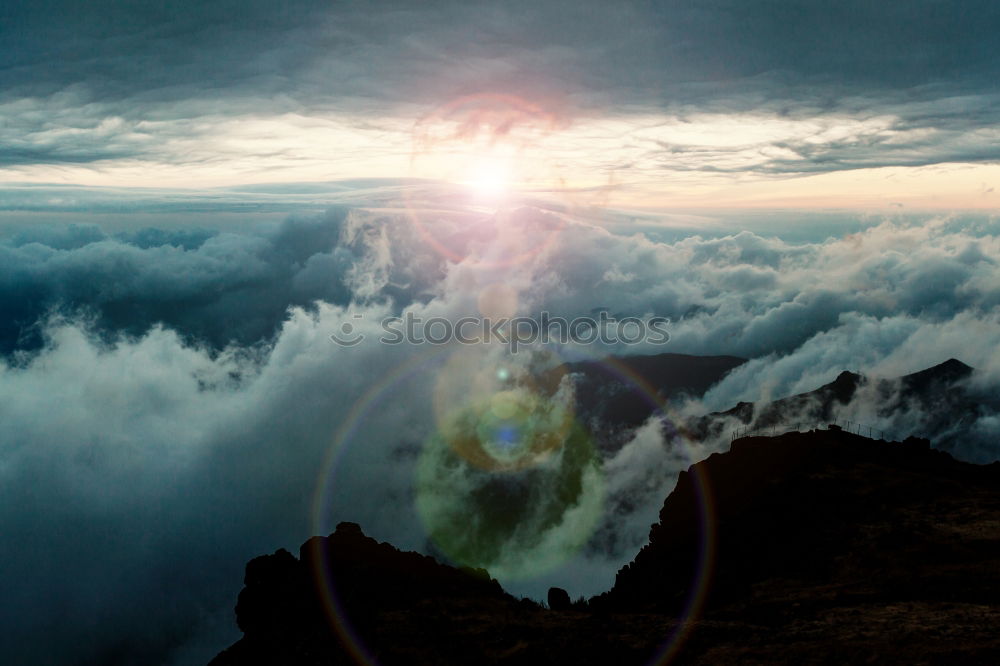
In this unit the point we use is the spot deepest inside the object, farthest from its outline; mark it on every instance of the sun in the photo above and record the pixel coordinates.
(491, 145)
(489, 177)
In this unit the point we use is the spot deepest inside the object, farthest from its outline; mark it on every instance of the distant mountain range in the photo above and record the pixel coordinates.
(616, 395)
(622, 391)
(935, 396)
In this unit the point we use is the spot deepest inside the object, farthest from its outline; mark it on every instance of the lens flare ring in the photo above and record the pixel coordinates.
(701, 576)
(505, 433)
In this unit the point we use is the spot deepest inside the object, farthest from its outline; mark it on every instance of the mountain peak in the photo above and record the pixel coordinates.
(936, 378)
(834, 490)
(954, 363)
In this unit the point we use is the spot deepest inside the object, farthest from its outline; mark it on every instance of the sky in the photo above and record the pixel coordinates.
(194, 196)
(661, 104)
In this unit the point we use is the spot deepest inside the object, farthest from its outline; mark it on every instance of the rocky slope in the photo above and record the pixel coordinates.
(819, 547)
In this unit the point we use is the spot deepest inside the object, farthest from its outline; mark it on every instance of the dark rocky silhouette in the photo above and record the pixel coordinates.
(828, 548)
(558, 599)
(286, 617)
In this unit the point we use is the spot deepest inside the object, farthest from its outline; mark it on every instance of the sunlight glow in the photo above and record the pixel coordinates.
(499, 148)
(490, 178)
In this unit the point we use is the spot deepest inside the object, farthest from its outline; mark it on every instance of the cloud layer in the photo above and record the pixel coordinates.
(193, 416)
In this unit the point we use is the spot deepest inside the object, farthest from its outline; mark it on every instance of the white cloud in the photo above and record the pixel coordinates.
(150, 467)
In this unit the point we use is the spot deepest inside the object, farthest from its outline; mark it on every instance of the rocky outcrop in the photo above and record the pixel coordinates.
(816, 547)
(824, 508)
(301, 610)
(558, 599)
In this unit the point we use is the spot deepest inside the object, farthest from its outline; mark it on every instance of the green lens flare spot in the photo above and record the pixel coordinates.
(515, 521)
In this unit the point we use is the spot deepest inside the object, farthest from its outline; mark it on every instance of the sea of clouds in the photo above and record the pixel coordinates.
(172, 404)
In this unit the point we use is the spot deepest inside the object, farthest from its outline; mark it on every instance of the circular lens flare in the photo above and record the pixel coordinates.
(442, 491)
(514, 519)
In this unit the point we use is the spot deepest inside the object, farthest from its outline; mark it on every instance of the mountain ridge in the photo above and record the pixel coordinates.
(820, 537)
(936, 391)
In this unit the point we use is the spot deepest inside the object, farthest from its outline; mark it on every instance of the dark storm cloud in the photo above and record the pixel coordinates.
(121, 48)
(129, 47)
(213, 287)
(854, 42)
